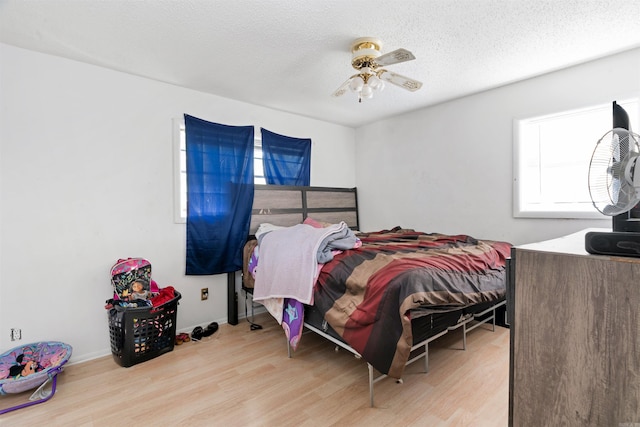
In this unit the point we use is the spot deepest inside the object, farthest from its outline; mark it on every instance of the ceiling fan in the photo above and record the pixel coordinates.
(367, 60)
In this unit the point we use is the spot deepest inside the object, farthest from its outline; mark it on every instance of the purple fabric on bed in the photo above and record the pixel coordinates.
(292, 321)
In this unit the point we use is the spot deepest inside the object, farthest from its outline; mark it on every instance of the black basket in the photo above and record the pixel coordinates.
(139, 334)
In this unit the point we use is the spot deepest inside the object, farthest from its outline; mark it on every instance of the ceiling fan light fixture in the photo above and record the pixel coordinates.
(356, 84)
(366, 92)
(374, 81)
(368, 62)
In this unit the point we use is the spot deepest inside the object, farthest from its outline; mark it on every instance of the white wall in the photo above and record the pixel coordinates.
(87, 178)
(449, 168)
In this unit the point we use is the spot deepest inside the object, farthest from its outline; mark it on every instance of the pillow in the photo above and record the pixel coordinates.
(312, 222)
(316, 224)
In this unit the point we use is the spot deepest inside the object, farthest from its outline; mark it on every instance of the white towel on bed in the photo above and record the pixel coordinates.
(288, 266)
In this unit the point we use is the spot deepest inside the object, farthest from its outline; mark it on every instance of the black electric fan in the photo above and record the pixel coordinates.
(614, 186)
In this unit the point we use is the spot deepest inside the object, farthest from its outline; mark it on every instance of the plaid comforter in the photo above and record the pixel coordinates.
(367, 294)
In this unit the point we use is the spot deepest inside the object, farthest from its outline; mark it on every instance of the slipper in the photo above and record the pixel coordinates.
(198, 332)
(211, 329)
(181, 338)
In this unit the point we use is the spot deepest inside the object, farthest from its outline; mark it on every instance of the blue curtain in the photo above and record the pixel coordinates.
(287, 160)
(219, 195)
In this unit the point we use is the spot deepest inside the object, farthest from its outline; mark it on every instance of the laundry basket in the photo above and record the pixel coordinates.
(139, 334)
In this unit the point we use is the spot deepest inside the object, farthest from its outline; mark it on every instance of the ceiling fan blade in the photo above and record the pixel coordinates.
(344, 87)
(395, 57)
(402, 81)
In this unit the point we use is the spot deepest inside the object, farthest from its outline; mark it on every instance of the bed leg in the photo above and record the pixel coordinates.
(288, 349)
(464, 336)
(246, 300)
(426, 357)
(493, 329)
(370, 384)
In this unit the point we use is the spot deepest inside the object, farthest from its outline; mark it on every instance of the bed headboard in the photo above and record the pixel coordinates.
(287, 205)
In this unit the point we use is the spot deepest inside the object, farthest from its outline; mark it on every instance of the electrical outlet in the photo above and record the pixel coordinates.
(204, 294)
(16, 334)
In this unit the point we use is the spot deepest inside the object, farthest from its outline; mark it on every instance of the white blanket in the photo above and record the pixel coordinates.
(288, 265)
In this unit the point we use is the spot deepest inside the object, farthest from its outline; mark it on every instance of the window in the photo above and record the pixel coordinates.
(180, 169)
(551, 160)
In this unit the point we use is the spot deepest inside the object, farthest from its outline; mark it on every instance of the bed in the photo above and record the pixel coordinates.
(392, 294)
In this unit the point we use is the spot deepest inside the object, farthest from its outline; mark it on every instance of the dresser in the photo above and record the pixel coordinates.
(575, 336)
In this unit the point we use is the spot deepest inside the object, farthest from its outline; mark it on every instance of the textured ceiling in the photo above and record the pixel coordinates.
(291, 55)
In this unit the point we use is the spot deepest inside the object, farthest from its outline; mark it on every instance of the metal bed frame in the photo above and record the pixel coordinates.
(478, 319)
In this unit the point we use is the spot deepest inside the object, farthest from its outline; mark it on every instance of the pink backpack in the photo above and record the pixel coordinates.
(126, 271)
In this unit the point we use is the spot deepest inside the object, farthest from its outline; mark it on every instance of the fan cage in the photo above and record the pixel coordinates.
(610, 189)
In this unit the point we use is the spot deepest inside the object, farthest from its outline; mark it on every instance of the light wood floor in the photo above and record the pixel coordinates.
(239, 377)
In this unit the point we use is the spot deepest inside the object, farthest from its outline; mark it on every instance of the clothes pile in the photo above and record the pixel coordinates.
(133, 286)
